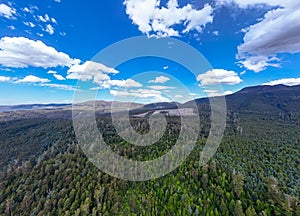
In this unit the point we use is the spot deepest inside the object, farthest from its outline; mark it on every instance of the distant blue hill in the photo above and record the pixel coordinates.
(33, 107)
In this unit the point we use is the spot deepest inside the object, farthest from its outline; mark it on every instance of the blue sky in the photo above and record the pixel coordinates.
(47, 46)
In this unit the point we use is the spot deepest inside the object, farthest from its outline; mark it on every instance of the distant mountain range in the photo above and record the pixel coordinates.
(33, 107)
(260, 99)
(275, 99)
(101, 106)
(271, 99)
(256, 99)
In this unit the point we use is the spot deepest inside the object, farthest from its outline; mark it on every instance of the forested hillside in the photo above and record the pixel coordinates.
(254, 172)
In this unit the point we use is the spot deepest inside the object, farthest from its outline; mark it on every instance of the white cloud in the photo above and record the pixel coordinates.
(7, 12)
(11, 27)
(44, 18)
(91, 67)
(160, 79)
(49, 29)
(32, 79)
(219, 76)
(98, 78)
(33, 53)
(129, 83)
(99, 73)
(166, 67)
(28, 32)
(57, 1)
(4, 79)
(6, 69)
(31, 9)
(259, 63)
(228, 92)
(153, 95)
(95, 88)
(41, 18)
(53, 20)
(216, 93)
(160, 87)
(248, 3)
(59, 86)
(120, 93)
(178, 96)
(216, 33)
(51, 72)
(47, 18)
(26, 9)
(30, 24)
(156, 20)
(286, 81)
(102, 80)
(91, 71)
(278, 32)
(59, 77)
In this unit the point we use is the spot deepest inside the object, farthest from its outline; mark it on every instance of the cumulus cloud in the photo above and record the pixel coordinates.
(278, 32)
(219, 76)
(59, 77)
(249, 3)
(30, 24)
(90, 70)
(129, 83)
(7, 11)
(53, 20)
(259, 63)
(47, 23)
(43, 19)
(32, 79)
(156, 20)
(26, 9)
(286, 81)
(11, 27)
(216, 33)
(88, 76)
(49, 29)
(160, 87)
(31, 9)
(4, 79)
(153, 95)
(99, 74)
(56, 75)
(160, 79)
(21, 52)
(92, 67)
(216, 93)
(59, 86)
(228, 92)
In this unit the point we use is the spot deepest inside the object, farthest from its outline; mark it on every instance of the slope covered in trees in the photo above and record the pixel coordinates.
(255, 172)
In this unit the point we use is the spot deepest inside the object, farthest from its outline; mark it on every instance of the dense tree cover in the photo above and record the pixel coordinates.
(23, 139)
(255, 172)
